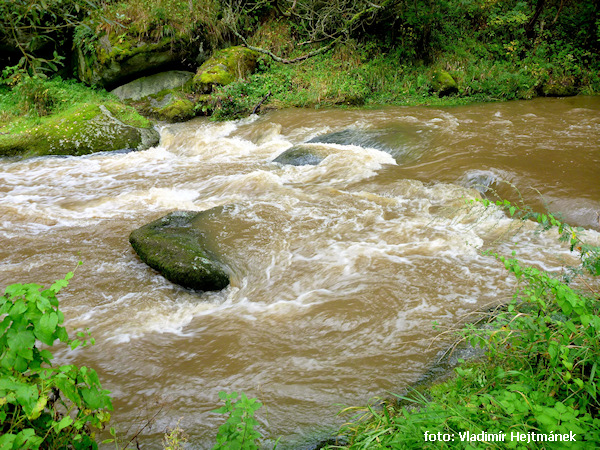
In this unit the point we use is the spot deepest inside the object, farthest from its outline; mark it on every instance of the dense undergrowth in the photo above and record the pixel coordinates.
(387, 54)
(536, 387)
(44, 406)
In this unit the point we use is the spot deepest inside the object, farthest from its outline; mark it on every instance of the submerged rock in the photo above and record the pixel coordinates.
(86, 129)
(224, 67)
(360, 138)
(302, 155)
(390, 140)
(175, 246)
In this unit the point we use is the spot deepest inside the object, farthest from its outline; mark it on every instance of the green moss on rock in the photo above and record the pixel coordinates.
(83, 129)
(443, 83)
(170, 105)
(112, 59)
(174, 245)
(179, 109)
(224, 67)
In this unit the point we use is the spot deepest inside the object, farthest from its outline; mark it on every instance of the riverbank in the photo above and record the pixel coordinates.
(310, 56)
(537, 382)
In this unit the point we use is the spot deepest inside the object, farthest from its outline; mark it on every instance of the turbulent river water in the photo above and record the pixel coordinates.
(337, 270)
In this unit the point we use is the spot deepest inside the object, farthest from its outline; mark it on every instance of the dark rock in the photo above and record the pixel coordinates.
(175, 246)
(116, 59)
(303, 155)
(360, 138)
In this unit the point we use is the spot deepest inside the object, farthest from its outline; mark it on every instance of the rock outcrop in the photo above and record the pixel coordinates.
(224, 67)
(175, 246)
(163, 96)
(153, 84)
(114, 60)
(443, 83)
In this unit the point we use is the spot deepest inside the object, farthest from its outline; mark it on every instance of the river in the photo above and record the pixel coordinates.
(338, 270)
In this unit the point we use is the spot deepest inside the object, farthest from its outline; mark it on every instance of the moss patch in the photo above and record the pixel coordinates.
(224, 67)
(83, 129)
(443, 83)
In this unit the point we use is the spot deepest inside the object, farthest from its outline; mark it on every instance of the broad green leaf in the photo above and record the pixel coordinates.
(20, 340)
(93, 398)
(7, 440)
(65, 422)
(45, 328)
(27, 396)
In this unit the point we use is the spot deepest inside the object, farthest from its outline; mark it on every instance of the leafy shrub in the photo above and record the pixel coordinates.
(238, 431)
(41, 405)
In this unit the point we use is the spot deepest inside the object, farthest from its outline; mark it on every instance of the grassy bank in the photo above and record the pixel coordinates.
(367, 73)
(537, 386)
(39, 117)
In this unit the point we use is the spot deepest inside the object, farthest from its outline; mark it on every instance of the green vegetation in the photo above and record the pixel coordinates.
(347, 54)
(540, 374)
(493, 50)
(41, 117)
(238, 430)
(41, 405)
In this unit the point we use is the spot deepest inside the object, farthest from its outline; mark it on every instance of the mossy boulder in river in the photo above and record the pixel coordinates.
(163, 96)
(83, 129)
(175, 246)
(224, 67)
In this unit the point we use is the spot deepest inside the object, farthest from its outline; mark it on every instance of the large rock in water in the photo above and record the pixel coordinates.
(86, 129)
(175, 246)
(163, 96)
(224, 67)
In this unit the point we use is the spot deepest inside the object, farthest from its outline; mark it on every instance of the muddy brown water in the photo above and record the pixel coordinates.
(337, 270)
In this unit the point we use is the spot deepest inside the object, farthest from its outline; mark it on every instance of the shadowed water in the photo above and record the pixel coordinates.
(337, 269)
